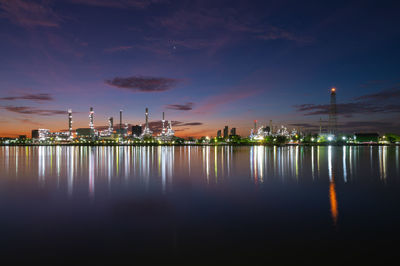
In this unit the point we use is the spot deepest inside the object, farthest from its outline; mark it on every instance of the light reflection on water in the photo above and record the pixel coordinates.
(204, 164)
(97, 170)
(184, 198)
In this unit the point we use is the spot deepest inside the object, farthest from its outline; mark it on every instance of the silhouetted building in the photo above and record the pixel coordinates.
(137, 131)
(35, 133)
(41, 134)
(226, 130)
(233, 131)
(218, 133)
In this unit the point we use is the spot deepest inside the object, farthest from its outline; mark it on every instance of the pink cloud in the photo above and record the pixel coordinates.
(29, 14)
(212, 103)
(118, 49)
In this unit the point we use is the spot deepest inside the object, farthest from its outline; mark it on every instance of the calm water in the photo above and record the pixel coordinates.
(200, 205)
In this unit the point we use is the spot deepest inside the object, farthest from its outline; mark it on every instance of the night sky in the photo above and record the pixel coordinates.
(207, 64)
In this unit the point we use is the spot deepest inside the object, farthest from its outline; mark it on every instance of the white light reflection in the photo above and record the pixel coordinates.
(344, 164)
(257, 163)
(70, 170)
(91, 172)
(383, 162)
(41, 165)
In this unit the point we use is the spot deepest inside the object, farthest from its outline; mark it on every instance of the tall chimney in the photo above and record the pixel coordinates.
(91, 118)
(70, 122)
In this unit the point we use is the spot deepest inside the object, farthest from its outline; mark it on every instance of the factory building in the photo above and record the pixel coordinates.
(40, 134)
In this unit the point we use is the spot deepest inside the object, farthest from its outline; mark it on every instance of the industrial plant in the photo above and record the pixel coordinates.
(267, 133)
(120, 134)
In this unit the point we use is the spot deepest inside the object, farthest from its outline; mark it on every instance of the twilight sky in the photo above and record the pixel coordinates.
(205, 63)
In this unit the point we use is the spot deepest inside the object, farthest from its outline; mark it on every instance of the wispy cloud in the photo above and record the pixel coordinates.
(181, 107)
(385, 101)
(211, 29)
(33, 111)
(29, 13)
(33, 97)
(118, 49)
(143, 84)
(393, 93)
(348, 109)
(141, 4)
(211, 103)
(156, 126)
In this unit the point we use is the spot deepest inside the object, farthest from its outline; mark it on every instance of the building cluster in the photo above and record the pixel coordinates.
(226, 133)
(263, 131)
(121, 132)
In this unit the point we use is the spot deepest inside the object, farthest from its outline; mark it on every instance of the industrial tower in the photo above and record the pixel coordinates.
(110, 125)
(91, 118)
(70, 122)
(332, 113)
(147, 131)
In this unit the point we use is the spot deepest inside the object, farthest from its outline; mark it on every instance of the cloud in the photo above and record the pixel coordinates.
(213, 102)
(33, 111)
(275, 33)
(348, 109)
(33, 97)
(29, 121)
(143, 84)
(118, 49)
(181, 107)
(382, 95)
(373, 83)
(141, 4)
(191, 124)
(156, 126)
(29, 13)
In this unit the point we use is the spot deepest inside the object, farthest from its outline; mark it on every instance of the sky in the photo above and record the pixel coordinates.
(206, 64)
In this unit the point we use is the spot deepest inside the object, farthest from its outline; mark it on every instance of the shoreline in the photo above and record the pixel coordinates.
(181, 145)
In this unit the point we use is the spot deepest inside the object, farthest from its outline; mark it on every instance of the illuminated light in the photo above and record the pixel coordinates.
(312, 139)
(333, 200)
(330, 138)
(344, 138)
(333, 89)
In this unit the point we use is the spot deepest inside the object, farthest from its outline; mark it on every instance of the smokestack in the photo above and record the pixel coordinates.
(91, 118)
(110, 124)
(120, 120)
(70, 122)
(163, 122)
(147, 117)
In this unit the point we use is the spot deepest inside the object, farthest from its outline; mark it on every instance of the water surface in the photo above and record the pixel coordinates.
(200, 205)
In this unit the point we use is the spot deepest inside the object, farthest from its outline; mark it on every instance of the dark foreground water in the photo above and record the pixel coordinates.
(200, 205)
